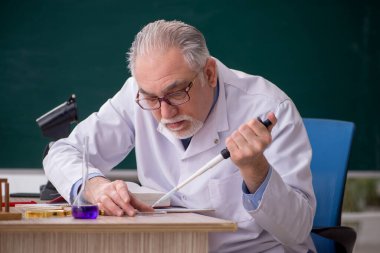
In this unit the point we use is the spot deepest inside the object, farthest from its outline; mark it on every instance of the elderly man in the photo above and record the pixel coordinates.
(179, 109)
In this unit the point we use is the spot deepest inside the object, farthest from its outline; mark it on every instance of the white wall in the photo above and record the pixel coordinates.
(30, 180)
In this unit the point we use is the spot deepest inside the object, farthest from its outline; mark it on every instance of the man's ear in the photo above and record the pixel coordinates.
(210, 72)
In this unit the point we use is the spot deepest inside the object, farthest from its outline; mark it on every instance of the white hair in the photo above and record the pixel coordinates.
(163, 35)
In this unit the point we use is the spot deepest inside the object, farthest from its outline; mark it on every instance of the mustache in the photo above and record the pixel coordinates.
(176, 119)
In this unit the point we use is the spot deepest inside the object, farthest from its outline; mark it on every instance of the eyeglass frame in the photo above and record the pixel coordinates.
(164, 98)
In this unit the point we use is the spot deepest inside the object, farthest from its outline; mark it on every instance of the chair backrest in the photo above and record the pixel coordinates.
(331, 143)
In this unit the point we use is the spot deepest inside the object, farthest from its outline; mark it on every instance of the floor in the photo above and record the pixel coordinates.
(367, 226)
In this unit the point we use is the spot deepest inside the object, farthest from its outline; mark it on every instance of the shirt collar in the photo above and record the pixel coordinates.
(186, 142)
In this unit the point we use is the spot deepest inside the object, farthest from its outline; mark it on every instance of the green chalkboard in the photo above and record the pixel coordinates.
(324, 54)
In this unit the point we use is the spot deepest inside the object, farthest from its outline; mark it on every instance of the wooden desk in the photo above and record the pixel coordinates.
(175, 232)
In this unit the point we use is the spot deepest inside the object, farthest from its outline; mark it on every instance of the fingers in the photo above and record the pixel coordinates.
(123, 198)
(115, 200)
(108, 205)
(272, 119)
(251, 139)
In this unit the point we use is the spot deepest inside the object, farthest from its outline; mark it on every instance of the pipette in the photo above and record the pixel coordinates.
(224, 154)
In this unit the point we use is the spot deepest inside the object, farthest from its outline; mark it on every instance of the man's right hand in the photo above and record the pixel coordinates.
(114, 197)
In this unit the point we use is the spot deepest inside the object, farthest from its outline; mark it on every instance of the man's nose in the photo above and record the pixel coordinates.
(168, 111)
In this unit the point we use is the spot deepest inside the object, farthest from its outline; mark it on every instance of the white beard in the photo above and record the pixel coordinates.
(195, 125)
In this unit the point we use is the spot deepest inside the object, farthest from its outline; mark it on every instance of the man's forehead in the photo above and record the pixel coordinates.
(159, 63)
(151, 88)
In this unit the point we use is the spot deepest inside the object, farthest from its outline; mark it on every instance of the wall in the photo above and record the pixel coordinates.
(324, 54)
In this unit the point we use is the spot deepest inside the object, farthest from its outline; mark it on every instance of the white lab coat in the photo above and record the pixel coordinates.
(282, 221)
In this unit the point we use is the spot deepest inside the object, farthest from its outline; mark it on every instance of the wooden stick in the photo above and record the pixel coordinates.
(6, 215)
(2, 180)
(6, 197)
(1, 195)
(5, 181)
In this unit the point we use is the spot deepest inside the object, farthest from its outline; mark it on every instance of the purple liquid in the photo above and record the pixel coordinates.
(85, 212)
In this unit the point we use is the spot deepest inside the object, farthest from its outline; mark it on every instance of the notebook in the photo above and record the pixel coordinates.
(147, 195)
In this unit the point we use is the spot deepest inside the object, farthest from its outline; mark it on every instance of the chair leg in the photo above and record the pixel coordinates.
(344, 237)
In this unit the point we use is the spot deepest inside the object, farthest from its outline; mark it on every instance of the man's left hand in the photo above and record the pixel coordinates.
(247, 145)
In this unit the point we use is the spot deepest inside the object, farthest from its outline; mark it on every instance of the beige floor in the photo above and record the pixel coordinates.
(367, 249)
(367, 226)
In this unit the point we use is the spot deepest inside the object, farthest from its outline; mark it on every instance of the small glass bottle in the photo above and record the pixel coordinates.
(81, 207)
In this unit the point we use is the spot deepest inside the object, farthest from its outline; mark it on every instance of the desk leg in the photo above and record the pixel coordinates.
(69, 242)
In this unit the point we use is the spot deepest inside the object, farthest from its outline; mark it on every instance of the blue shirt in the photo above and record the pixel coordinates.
(251, 201)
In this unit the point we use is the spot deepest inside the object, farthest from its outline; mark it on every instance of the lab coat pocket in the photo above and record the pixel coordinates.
(226, 198)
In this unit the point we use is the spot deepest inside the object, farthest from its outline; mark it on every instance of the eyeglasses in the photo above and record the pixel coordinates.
(175, 98)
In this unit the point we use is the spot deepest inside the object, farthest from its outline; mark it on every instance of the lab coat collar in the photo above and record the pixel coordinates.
(175, 141)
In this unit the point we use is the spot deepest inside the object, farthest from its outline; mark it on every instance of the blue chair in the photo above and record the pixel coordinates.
(331, 142)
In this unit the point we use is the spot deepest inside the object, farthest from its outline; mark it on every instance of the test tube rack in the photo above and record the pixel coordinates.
(6, 214)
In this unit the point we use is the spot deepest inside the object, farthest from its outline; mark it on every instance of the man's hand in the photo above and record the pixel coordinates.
(246, 146)
(114, 197)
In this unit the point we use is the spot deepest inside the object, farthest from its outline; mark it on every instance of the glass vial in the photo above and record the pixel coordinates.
(81, 207)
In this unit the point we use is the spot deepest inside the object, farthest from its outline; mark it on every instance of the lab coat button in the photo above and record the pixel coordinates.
(216, 141)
